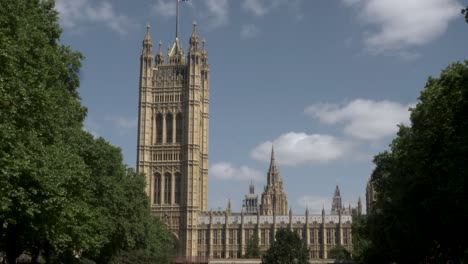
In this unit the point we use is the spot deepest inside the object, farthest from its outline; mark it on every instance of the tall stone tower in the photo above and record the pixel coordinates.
(173, 135)
(337, 205)
(274, 200)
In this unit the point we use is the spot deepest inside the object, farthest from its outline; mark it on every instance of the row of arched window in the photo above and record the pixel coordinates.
(171, 193)
(168, 98)
(166, 125)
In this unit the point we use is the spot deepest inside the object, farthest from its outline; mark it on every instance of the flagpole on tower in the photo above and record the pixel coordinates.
(177, 20)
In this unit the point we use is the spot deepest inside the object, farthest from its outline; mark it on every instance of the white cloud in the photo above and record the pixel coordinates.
(364, 119)
(249, 31)
(92, 127)
(226, 171)
(263, 7)
(399, 25)
(73, 12)
(164, 8)
(125, 123)
(255, 7)
(218, 11)
(297, 148)
(315, 203)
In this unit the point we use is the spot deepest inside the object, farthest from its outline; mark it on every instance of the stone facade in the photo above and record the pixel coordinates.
(173, 154)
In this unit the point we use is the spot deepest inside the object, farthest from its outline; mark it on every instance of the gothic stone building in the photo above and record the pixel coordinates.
(173, 154)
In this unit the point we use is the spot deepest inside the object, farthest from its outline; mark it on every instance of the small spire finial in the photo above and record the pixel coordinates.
(148, 31)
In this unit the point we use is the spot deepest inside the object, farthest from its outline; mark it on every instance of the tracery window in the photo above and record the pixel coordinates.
(159, 128)
(177, 191)
(169, 124)
(157, 189)
(167, 188)
(179, 128)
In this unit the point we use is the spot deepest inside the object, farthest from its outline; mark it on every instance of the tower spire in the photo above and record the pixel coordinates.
(177, 20)
(273, 174)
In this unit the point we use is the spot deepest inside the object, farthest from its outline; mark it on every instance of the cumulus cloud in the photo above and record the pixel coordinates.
(298, 148)
(249, 31)
(315, 203)
(363, 119)
(227, 171)
(399, 25)
(73, 12)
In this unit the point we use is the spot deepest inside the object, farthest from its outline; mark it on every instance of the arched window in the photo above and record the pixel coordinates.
(177, 191)
(169, 124)
(159, 128)
(179, 128)
(167, 188)
(157, 189)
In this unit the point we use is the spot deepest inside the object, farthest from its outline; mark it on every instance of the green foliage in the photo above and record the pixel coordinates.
(360, 238)
(288, 248)
(339, 252)
(253, 247)
(62, 192)
(421, 183)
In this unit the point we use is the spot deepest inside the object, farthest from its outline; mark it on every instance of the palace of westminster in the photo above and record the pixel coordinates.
(173, 154)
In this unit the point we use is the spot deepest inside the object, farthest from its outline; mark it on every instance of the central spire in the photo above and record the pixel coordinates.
(177, 20)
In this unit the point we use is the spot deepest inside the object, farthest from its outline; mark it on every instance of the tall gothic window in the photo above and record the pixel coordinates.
(179, 128)
(177, 191)
(159, 128)
(169, 124)
(157, 189)
(167, 188)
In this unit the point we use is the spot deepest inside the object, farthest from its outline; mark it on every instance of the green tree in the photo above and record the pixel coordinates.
(62, 192)
(360, 238)
(288, 248)
(253, 247)
(340, 253)
(421, 182)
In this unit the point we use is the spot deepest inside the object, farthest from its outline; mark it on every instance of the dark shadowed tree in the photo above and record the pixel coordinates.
(288, 248)
(421, 182)
(339, 252)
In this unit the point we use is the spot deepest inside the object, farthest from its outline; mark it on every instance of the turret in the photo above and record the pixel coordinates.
(146, 58)
(251, 188)
(204, 54)
(160, 56)
(228, 207)
(147, 43)
(194, 38)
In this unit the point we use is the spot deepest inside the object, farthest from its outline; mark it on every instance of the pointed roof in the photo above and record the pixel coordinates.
(176, 49)
(251, 188)
(337, 191)
(194, 30)
(148, 35)
(273, 173)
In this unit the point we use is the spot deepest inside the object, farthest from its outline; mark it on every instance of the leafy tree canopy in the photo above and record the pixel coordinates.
(288, 248)
(63, 193)
(421, 182)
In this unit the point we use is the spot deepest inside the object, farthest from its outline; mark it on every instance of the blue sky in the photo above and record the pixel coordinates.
(326, 81)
